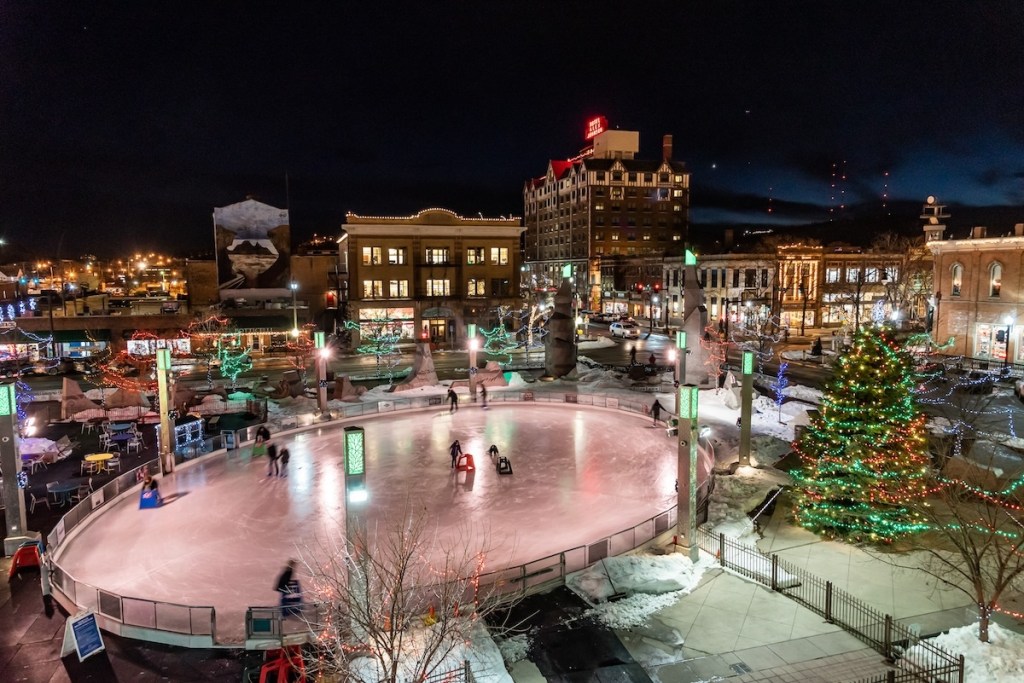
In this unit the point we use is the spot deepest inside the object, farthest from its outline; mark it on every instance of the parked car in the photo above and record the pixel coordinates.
(625, 330)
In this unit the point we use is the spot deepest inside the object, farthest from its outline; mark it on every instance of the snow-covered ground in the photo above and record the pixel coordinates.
(1001, 660)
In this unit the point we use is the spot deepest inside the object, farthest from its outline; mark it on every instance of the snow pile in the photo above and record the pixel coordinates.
(596, 343)
(601, 379)
(481, 651)
(1001, 660)
(802, 393)
(766, 450)
(514, 649)
(736, 495)
(650, 582)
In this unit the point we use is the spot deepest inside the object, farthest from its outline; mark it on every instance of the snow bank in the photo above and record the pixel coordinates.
(999, 661)
(650, 582)
(736, 495)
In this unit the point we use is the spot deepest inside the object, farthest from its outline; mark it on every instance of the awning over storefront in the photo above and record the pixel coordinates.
(438, 312)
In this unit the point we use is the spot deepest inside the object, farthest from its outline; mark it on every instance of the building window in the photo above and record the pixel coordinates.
(714, 278)
(663, 177)
(617, 176)
(475, 256)
(831, 274)
(735, 277)
(396, 256)
(958, 279)
(371, 256)
(373, 289)
(476, 287)
(599, 176)
(499, 287)
(995, 280)
(598, 206)
(615, 237)
(616, 193)
(437, 255)
(677, 193)
(750, 278)
(871, 275)
(648, 177)
(439, 288)
(398, 289)
(764, 277)
(662, 194)
(647, 237)
(852, 275)
(499, 256)
(598, 236)
(677, 237)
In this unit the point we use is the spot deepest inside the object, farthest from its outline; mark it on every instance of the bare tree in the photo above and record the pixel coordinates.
(975, 537)
(398, 604)
(715, 346)
(758, 337)
(910, 285)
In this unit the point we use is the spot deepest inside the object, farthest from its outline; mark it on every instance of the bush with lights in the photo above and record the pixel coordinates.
(865, 457)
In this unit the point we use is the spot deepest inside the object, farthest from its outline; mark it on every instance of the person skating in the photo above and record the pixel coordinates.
(493, 451)
(262, 437)
(273, 468)
(290, 589)
(483, 394)
(652, 360)
(632, 355)
(285, 457)
(656, 411)
(456, 450)
(453, 400)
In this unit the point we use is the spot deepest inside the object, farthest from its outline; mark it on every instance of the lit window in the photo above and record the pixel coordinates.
(396, 256)
(831, 275)
(371, 256)
(438, 287)
(476, 287)
(499, 256)
(437, 255)
(373, 289)
(475, 256)
(995, 280)
(958, 279)
(399, 289)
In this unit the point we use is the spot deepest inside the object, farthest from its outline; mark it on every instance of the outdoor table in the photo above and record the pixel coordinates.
(122, 437)
(120, 426)
(62, 491)
(100, 459)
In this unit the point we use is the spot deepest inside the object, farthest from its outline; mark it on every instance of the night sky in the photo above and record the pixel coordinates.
(123, 124)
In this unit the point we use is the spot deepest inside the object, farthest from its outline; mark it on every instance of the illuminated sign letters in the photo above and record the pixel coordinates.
(596, 126)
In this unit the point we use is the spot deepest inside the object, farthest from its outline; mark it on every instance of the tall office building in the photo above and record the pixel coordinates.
(603, 205)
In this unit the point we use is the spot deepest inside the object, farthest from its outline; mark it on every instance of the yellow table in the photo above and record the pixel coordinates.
(100, 459)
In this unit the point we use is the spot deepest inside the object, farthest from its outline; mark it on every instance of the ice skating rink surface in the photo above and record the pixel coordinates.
(227, 529)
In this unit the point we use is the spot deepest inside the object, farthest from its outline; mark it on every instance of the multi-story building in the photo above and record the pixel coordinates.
(603, 202)
(431, 273)
(738, 288)
(978, 285)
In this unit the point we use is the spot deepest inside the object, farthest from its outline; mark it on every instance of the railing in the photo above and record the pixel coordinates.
(883, 633)
(129, 611)
(503, 585)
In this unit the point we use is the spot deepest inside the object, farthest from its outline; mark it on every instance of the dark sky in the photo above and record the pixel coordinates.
(123, 124)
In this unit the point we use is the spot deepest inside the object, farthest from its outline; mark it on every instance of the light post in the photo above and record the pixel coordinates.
(166, 442)
(746, 403)
(74, 298)
(680, 367)
(295, 310)
(322, 356)
(1008, 320)
(16, 531)
(686, 467)
(474, 344)
(803, 293)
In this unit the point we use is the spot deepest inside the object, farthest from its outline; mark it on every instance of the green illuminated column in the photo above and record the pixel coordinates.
(356, 493)
(686, 522)
(10, 462)
(323, 354)
(163, 370)
(680, 366)
(746, 401)
(473, 344)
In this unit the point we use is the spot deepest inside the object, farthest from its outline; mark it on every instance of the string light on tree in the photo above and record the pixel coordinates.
(865, 456)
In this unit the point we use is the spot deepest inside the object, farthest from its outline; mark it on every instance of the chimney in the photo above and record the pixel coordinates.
(978, 232)
(666, 148)
(1018, 229)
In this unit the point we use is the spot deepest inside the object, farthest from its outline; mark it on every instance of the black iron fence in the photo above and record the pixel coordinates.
(892, 639)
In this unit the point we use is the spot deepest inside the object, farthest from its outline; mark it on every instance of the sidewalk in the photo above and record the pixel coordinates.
(736, 629)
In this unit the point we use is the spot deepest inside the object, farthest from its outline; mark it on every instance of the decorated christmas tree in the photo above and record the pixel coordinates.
(865, 456)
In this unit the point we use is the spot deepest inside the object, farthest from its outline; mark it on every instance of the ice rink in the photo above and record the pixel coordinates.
(228, 528)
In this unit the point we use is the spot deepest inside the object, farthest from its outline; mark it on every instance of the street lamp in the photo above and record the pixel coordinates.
(295, 311)
(803, 293)
(1008, 320)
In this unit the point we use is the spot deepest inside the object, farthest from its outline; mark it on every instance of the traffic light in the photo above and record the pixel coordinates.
(639, 286)
(657, 286)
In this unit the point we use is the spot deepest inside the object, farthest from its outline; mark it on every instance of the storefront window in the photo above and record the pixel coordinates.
(958, 278)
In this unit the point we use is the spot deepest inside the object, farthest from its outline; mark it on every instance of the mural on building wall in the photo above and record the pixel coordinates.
(253, 248)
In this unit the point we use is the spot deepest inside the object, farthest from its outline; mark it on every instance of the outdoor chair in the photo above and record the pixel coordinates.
(83, 491)
(135, 443)
(36, 463)
(114, 463)
(86, 467)
(33, 501)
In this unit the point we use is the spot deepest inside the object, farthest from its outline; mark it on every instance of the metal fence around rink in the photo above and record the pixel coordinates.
(503, 585)
(141, 613)
(892, 639)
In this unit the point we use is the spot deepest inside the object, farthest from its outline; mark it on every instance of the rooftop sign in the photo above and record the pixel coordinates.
(596, 126)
